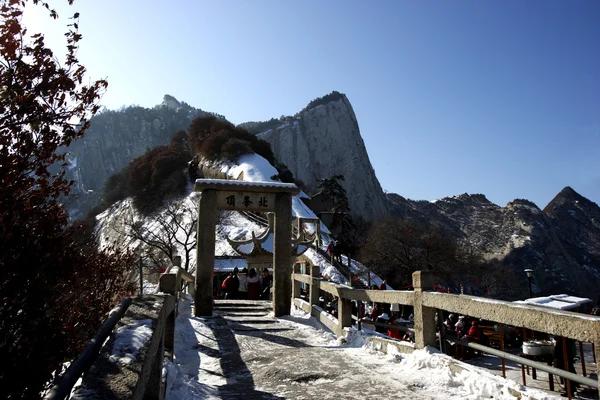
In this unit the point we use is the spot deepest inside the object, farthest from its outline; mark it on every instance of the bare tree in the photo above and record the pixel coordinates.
(168, 233)
(396, 248)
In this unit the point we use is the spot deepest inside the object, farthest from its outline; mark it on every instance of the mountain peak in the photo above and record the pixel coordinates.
(565, 196)
(171, 102)
(328, 98)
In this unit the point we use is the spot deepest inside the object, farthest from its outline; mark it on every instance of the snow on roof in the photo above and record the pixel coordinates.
(254, 168)
(228, 264)
(215, 183)
(558, 302)
(571, 299)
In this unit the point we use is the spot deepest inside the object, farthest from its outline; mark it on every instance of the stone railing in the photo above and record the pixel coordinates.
(129, 365)
(426, 303)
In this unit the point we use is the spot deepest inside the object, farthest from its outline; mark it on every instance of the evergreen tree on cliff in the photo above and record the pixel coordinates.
(55, 286)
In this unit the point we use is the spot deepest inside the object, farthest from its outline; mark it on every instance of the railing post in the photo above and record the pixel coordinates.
(154, 389)
(424, 316)
(315, 272)
(344, 315)
(296, 285)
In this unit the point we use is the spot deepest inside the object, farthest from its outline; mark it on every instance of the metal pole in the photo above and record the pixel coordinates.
(581, 355)
(524, 340)
(440, 315)
(502, 349)
(141, 277)
(530, 291)
(524, 361)
(566, 365)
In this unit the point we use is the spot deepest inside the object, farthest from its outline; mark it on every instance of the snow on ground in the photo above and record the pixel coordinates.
(278, 363)
(129, 339)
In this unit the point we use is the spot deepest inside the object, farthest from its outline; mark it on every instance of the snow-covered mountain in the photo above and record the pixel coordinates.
(560, 243)
(174, 225)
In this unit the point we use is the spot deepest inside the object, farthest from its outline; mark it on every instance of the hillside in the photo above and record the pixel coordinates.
(114, 139)
(148, 235)
(560, 243)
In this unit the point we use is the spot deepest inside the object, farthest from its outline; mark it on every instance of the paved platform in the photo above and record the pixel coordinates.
(243, 352)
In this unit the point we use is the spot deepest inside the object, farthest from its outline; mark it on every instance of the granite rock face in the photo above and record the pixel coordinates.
(113, 140)
(324, 141)
(560, 243)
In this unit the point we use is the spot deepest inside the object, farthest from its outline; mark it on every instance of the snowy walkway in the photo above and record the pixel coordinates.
(244, 352)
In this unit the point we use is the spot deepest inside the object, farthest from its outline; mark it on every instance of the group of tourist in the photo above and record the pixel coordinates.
(334, 250)
(247, 285)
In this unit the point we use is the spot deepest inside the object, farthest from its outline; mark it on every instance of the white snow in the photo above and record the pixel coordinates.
(428, 373)
(228, 264)
(129, 339)
(254, 168)
(559, 302)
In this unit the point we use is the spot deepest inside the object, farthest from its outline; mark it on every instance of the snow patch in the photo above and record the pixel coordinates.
(129, 339)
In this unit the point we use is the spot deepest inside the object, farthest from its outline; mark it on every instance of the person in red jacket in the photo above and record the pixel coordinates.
(383, 285)
(475, 333)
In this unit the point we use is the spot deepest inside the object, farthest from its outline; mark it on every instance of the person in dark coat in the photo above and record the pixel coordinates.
(233, 286)
(253, 285)
(266, 282)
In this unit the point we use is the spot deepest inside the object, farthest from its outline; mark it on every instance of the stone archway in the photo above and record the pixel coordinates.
(221, 194)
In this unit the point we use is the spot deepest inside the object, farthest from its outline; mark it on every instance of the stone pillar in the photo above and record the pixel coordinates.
(282, 246)
(315, 273)
(154, 388)
(424, 316)
(344, 315)
(177, 261)
(205, 253)
(296, 286)
(167, 283)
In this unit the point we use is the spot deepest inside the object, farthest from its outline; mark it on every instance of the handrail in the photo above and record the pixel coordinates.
(525, 361)
(425, 300)
(87, 357)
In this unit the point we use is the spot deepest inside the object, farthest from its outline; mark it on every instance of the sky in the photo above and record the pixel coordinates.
(499, 98)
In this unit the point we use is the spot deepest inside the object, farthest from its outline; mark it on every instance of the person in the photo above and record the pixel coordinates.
(392, 332)
(559, 360)
(232, 284)
(253, 285)
(266, 281)
(382, 319)
(450, 325)
(375, 312)
(383, 285)
(243, 278)
(460, 326)
(337, 251)
(475, 333)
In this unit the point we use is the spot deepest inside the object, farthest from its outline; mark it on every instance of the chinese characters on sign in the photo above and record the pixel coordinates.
(246, 201)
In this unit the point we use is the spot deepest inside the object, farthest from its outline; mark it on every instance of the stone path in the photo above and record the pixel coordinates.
(243, 352)
(251, 355)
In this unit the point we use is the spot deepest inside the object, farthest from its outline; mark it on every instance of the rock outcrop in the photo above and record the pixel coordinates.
(322, 141)
(560, 243)
(114, 139)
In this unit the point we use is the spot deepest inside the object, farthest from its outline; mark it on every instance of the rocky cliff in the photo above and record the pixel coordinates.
(114, 139)
(324, 140)
(560, 243)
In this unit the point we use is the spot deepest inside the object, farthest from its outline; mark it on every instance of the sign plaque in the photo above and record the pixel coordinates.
(246, 201)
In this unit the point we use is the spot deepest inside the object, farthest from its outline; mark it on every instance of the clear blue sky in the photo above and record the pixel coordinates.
(500, 98)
